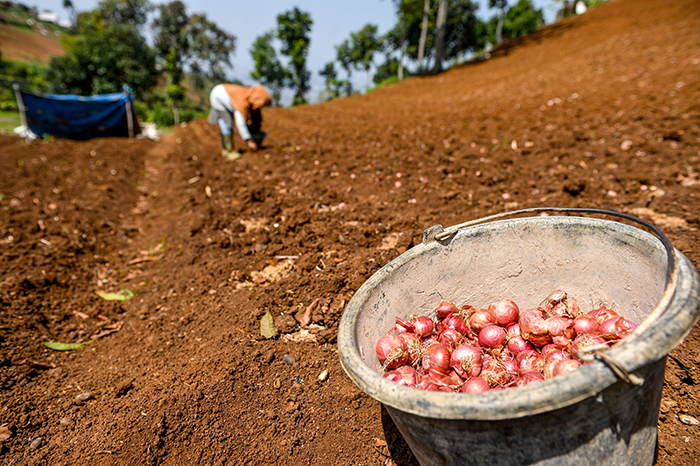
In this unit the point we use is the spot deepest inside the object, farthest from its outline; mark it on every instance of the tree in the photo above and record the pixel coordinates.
(268, 68)
(334, 86)
(133, 12)
(190, 42)
(423, 33)
(464, 31)
(103, 60)
(293, 28)
(501, 5)
(364, 44)
(521, 19)
(440, 34)
(343, 53)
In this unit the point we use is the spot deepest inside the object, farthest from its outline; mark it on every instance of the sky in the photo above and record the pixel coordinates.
(333, 21)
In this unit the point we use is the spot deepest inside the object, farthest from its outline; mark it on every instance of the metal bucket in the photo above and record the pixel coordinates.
(604, 413)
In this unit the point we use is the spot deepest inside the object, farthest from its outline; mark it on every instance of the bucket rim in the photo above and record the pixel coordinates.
(652, 343)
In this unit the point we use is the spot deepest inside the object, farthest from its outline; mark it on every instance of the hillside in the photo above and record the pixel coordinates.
(597, 111)
(36, 42)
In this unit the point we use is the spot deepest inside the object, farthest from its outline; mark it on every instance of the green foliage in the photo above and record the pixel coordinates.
(268, 68)
(101, 60)
(334, 86)
(293, 28)
(520, 20)
(343, 53)
(387, 72)
(183, 41)
(57, 346)
(464, 31)
(133, 12)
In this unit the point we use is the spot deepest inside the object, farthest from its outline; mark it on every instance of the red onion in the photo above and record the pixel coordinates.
(548, 369)
(556, 297)
(616, 328)
(436, 357)
(404, 375)
(505, 311)
(566, 366)
(584, 340)
(530, 361)
(546, 349)
(391, 351)
(403, 326)
(450, 338)
(476, 385)
(513, 330)
(450, 379)
(585, 324)
(528, 378)
(426, 384)
(512, 366)
(519, 344)
(422, 326)
(495, 373)
(480, 319)
(602, 314)
(456, 323)
(492, 336)
(466, 360)
(560, 327)
(414, 348)
(533, 327)
(572, 307)
(558, 355)
(446, 308)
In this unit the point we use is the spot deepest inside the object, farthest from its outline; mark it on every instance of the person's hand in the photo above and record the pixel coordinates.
(252, 145)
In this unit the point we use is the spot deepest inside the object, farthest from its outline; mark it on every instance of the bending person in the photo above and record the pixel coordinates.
(233, 103)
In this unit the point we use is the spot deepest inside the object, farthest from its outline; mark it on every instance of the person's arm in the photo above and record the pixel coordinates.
(242, 127)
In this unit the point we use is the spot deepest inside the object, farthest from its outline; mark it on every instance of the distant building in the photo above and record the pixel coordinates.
(47, 17)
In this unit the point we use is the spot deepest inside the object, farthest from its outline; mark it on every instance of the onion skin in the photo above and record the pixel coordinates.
(404, 375)
(528, 378)
(446, 308)
(414, 347)
(602, 314)
(450, 338)
(519, 344)
(391, 351)
(495, 373)
(450, 380)
(403, 326)
(466, 360)
(616, 328)
(437, 358)
(585, 324)
(533, 327)
(480, 319)
(584, 340)
(530, 361)
(423, 326)
(456, 323)
(556, 297)
(476, 385)
(505, 311)
(492, 336)
(566, 366)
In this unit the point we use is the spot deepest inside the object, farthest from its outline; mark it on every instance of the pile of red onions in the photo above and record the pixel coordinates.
(474, 350)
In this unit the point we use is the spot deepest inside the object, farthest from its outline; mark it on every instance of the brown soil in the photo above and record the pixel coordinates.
(596, 111)
(28, 44)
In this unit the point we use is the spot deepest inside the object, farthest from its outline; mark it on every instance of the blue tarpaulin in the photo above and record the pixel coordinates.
(76, 117)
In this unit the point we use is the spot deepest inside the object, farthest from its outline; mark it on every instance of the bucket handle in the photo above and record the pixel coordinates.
(437, 233)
